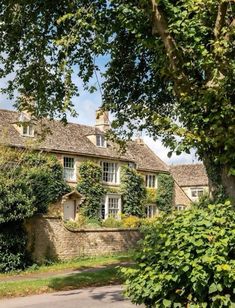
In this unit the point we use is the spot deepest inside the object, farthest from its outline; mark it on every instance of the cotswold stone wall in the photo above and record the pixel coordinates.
(49, 239)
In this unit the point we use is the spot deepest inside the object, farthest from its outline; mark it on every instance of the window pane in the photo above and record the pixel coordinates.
(109, 172)
(150, 181)
(113, 207)
(69, 169)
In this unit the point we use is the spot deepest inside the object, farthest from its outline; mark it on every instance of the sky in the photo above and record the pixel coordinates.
(86, 105)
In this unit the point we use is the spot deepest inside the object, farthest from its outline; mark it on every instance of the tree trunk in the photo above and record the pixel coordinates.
(220, 182)
(228, 182)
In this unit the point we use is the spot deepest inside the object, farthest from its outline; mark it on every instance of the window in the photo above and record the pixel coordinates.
(151, 210)
(27, 130)
(100, 141)
(132, 165)
(109, 172)
(196, 192)
(69, 169)
(179, 207)
(111, 207)
(150, 181)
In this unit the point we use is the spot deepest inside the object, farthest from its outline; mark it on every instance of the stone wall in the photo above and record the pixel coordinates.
(49, 239)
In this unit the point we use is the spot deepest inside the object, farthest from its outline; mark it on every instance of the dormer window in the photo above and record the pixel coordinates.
(27, 130)
(100, 141)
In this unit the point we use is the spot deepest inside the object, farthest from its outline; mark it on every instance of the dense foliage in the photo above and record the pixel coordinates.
(165, 192)
(170, 67)
(91, 187)
(133, 192)
(186, 259)
(29, 182)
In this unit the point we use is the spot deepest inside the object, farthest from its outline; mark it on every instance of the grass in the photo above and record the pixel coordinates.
(99, 277)
(76, 264)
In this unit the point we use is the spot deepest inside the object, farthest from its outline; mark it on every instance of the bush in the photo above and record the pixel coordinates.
(111, 222)
(13, 255)
(186, 259)
(131, 221)
(83, 222)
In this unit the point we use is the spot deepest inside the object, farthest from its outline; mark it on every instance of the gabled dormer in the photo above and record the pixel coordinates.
(25, 126)
(98, 139)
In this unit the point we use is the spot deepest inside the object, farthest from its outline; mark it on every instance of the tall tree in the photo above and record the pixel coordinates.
(170, 67)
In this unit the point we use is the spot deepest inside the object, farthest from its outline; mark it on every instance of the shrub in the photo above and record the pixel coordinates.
(133, 192)
(131, 221)
(90, 186)
(111, 222)
(186, 259)
(13, 255)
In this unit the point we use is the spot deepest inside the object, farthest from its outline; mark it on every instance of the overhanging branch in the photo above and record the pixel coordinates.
(160, 26)
(220, 19)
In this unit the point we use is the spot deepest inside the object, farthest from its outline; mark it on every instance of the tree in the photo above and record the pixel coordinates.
(170, 68)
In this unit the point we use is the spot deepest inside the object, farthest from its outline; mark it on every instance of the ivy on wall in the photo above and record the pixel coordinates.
(133, 192)
(165, 192)
(91, 187)
(29, 182)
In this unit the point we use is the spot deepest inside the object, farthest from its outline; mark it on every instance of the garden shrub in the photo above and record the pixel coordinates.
(165, 192)
(111, 222)
(133, 192)
(91, 187)
(131, 221)
(13, 255)
(187, 259)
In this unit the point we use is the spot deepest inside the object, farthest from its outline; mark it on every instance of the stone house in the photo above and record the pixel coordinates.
(192, 178)
(74, 143)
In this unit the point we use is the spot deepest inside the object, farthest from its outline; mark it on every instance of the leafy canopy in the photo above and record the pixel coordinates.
(170, 65)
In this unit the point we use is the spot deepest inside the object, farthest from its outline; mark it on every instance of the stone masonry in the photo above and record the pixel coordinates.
(49, 239)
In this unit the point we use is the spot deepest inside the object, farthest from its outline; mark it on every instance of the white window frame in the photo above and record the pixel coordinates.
(27, 130)
(73, 178)
(110, 176)
(151, 210)
(106, 206)
(198, 190)
(149, 180)
(100, 141)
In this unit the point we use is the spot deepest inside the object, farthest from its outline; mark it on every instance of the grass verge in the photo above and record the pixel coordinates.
(99, 277)
(76, 264)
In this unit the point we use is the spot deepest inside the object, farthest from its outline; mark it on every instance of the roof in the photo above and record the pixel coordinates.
(73, 139)
(190, 175)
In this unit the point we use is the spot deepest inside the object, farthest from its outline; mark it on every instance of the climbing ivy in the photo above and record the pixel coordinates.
(90, 186)
(165, 192)
(133, 192)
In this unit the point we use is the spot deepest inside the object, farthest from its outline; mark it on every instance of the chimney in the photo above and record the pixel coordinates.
(102, 120)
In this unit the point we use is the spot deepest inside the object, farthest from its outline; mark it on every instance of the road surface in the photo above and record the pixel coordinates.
(101, 297)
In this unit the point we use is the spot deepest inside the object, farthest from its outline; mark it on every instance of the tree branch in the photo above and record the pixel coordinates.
(160, 26)
(220, 19)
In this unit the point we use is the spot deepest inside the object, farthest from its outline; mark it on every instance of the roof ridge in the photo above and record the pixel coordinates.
(52, 120)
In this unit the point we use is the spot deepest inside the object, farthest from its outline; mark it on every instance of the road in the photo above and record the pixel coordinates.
(101, 297)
